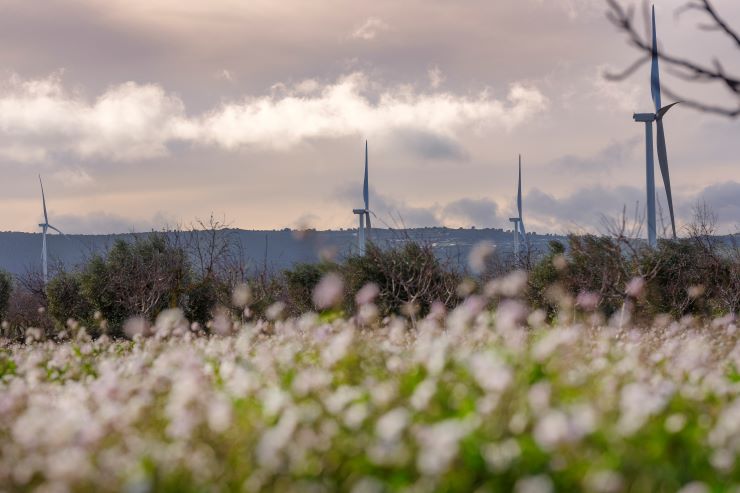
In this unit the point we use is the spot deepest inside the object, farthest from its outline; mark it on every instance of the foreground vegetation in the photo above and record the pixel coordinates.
(466, 400)
(163, 365)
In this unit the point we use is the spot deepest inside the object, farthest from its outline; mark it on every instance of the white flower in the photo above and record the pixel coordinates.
(338, 347)
(423, 393)
(499, 456)
(439, 444)
(479, 255)
(695, 487)
(275, 439)
(552, 429)
(367, 294)
(219, 414)
(490, 372)
(390, 426)
(241, 296)
(329, 291)
(534, 484)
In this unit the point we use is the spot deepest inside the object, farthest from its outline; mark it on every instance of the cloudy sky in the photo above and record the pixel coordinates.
(144, 113)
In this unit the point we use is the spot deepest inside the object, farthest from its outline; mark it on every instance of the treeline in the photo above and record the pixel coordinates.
(591, 275)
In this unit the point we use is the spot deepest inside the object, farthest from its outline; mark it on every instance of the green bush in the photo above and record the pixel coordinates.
(410, 275)
(142, 277)
(66, 300)
(6, 288)
(300, 282)
(691, 276)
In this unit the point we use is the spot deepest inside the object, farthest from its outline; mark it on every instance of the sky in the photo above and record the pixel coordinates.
(143, 114)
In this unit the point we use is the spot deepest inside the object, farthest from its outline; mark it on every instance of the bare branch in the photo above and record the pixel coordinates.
(685, 69)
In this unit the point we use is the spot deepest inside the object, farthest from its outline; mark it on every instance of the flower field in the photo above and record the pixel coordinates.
(471, 400)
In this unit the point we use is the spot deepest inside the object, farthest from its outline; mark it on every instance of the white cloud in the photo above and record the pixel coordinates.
(370, 29)
(129, 121)
(137, 121)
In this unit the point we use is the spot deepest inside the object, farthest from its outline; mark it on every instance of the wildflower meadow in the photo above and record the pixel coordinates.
(472, 399)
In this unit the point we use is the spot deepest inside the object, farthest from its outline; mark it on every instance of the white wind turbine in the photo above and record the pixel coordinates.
(364, 214)
(648, 119)
(518, 221)
(45, 226)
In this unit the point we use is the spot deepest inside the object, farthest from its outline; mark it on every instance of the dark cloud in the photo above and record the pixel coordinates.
(724, 201)
(587, 208)
(614, 155)
(583, 209)
(428, 145)
(478, 212)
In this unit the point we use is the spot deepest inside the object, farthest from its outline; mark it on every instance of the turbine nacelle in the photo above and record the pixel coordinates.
(644, 117)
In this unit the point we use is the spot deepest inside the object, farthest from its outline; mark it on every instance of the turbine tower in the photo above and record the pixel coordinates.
(45, 226)
(518, 222)
(648, 119)
(364, 214)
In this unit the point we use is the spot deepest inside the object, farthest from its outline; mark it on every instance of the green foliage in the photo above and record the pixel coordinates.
(409, 275)
(300, 282)
(692, 276)
(201, 297)
(6, 288)
(544, 276)
(141, 277)
(66, 300)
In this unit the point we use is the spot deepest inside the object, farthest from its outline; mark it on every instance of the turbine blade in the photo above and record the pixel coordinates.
(43, 201)
(661, 112)
(663, 162)
(655, 72)
(365, 190)
(57, 230)
(369, 225)
(519, 189)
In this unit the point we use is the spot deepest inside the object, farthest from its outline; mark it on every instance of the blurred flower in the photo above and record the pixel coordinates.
(635, 287)
(275, 311)
(367, 294)
(695, 291)
(241, 296)
(479, 255)
(534, 484)
(695, 487)
(588, 300)
(390, 426)
(329, 291)
(499, 456)
(136, 326)
(604, 481)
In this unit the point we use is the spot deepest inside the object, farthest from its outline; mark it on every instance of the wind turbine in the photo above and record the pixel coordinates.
(648, 119)
(518, 221)
(45, 226)
(364, 213)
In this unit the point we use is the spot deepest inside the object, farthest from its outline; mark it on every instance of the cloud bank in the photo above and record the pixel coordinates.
(132, 121)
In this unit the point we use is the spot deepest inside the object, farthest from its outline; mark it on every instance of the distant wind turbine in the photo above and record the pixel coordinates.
(518, 221)
(45, 226)
(648, 119)
(364, 214)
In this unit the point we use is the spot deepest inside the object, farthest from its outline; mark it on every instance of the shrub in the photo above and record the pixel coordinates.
(300, 282)
(6, 288)
(141, 277)
(66, 300)
(407, 275)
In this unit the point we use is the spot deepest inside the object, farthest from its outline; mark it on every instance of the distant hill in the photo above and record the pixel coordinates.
(21, 252)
